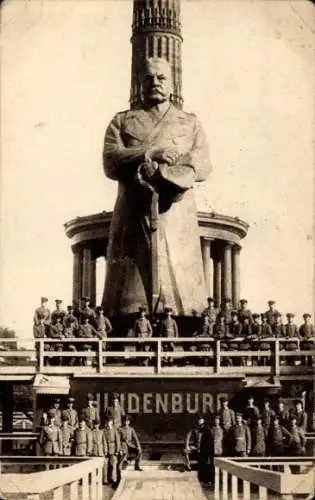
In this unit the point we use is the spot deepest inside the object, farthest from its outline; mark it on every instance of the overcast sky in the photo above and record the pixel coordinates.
(248, 73)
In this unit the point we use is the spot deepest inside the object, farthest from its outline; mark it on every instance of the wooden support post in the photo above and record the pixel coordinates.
(93, 490)
(159, 356)
(234, 488)
(276, 361)
(41, 356)
(262, 493)
(74, 494)
(100, 356)
(224, 484)
(58, 493)
(216, 483)
(246, 490)
(99, 485)
(33, 496)
(217, 357)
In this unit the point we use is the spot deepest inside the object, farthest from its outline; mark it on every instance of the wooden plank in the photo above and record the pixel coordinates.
(246, 490)
(74, 493)
(234, 488)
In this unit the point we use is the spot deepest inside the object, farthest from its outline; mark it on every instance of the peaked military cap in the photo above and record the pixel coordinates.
(82, 417)
(100, 308)
(65, 416)
(168, 309)
(52, 413)
(115, 395)
(234, 313)
(70, 308)
(290, 315)
(271, 302)
(90, 397)
(226, 300)
(210, 299)
(307, 315)
(58, 301)
(256, 315)
(142, 309)
(43, 299)
(97, 421)
(57, 400)
(126, 417)
(86, 299)
(239, 414)
(71, 400)
(243, 301)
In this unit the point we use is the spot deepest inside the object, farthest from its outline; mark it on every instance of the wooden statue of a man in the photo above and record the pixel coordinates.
(159, 150)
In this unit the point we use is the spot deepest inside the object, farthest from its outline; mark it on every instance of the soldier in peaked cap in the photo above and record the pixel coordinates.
(300, 415)
(143, 329)
(112, 449)
(226, 310)
(244, 312)
(130, 444)
(251, 411)
(282, 414)
(211, 311)
(55, 410)
(87, 311)
(278, 327)
(50, 438)
(267, 415)
(82, 439)
(58, 312)
(71, 413)
(42, 312)
(90, 412)
(240, 438)
(271, 312)
(258, 438)
(168, 328)
(115, 410)
(98, 445)
(67, 434)
(291, 331)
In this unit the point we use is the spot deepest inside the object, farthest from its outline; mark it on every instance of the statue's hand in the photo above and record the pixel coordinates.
(148, 169)
(162, 155)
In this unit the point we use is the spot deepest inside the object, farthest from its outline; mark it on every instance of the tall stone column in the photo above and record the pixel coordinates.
(206, 258)
(217, 276)
(236, 280)
(86, 272)
(93, 281)
(77, 275)
(227, 271)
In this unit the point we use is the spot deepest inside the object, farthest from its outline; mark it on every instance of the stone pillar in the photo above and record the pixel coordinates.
(227, 271)
(77, 275)
(217, 274)
(93, 281)
(236, 281)
(86, 272)
(206, 258)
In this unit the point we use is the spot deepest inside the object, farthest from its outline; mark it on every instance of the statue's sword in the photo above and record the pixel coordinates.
(155, 284)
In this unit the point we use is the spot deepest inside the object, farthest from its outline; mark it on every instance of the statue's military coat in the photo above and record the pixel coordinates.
(180, 267)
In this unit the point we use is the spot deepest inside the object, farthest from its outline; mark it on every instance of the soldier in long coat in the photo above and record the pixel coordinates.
(240, 438)
(277, 437)
(282, 414)
(50, 438)
(57, 411)
(162, 148)
(300, 416)
(82, 439)
(258, 439)
(42, 312)
(244, 312)
(168, 328)
(112, 449)
(58, 312)
(98, 444)
(130, 444)
(90, 412)
(143, 330)
(212, 312)
(267, 415)
(194, 445)
(227, 420)
(67, 434)
(251, 412)
(297, 441)
(115, 410)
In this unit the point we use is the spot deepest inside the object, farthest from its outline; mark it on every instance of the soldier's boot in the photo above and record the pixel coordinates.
(137, 462)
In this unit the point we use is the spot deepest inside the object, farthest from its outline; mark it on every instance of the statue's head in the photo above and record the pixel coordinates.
(156, 81)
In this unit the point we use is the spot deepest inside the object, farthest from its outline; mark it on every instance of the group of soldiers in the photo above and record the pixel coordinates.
(254, 432)
(236, 329)
(67, 432)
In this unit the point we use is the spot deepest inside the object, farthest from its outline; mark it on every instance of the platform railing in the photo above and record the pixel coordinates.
(62, 478)
(207, 355)
(246, 478)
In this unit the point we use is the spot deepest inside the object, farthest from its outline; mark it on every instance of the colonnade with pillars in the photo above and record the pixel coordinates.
(221, 263)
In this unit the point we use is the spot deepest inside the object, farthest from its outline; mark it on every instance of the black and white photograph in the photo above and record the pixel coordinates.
(157, 335)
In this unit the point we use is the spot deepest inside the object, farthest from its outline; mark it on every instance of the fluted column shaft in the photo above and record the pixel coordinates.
(217, 274)
(227, 271)
(206, 258)
(236, 275)
(86, 273)
(93, 281)
(77, 275)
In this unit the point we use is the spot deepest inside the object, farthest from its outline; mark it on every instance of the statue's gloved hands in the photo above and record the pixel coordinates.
(147, 169)
(163, 155)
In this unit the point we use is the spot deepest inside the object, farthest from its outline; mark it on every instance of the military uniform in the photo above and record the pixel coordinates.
(168, 328)
(284, 417)
(277, 435)
(98, 445)
(244, 314)
(58, 313)
(278, 330)
(87, 312)
(39, 330)
(250, 414)
(86, 330)
(56, 330)
(258, 436)
(227, 418)
(50, 439)
(90, 414)
(271, 313)
(82, 442)
(301, 419)
(70, 321)
(116, 413)
(72, 415)
(291, 331)
(112, 449)
(193, 446)
(42, 312)
(217, 434)
(240, 440)
(267, 415)
(130, 445)
(297, 441)
(67, 433)
(212, 313)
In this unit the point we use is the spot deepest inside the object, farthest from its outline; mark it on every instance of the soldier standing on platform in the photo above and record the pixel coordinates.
(112, 449)
(235, 332)
(87, 311)
(297, 439)
(57, 412)
(307, 334)
(98, 444)
(82, 439)
(42, 312)
(258, 436)
(226, 310)
(193, 446)
(130, 444)
(168, 328)
(278, 330)
(291, 331)
(50, 438)
(86, 329)
(266, 333)
(212, 312)
(67, 433)
(300, 415)
(271, 312)
(103, 326)
(251, 412)
(90, 412)
(227, 421)
(276, 438)
(205, 331)
(240, 438)
(71, 413)
(282, 414)
(115, 411)
(216, 443)
(58, 312)
(267, 415)
(244, 312)
(143, 330)
(221, 332)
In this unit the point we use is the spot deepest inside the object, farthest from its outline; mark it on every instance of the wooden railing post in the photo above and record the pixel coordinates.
(99, 485)
(85, 487)
(234, 488)
(217, 357)
(159, 356)
(93, 485)
(58, 493)
(262, 493)
(276, 361)
(100, 356)
(246, 490)
(216, 483)
(74, 493)
(41, 355)
(33, 496)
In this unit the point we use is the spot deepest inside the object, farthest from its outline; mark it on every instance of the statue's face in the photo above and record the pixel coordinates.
(156, 82)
